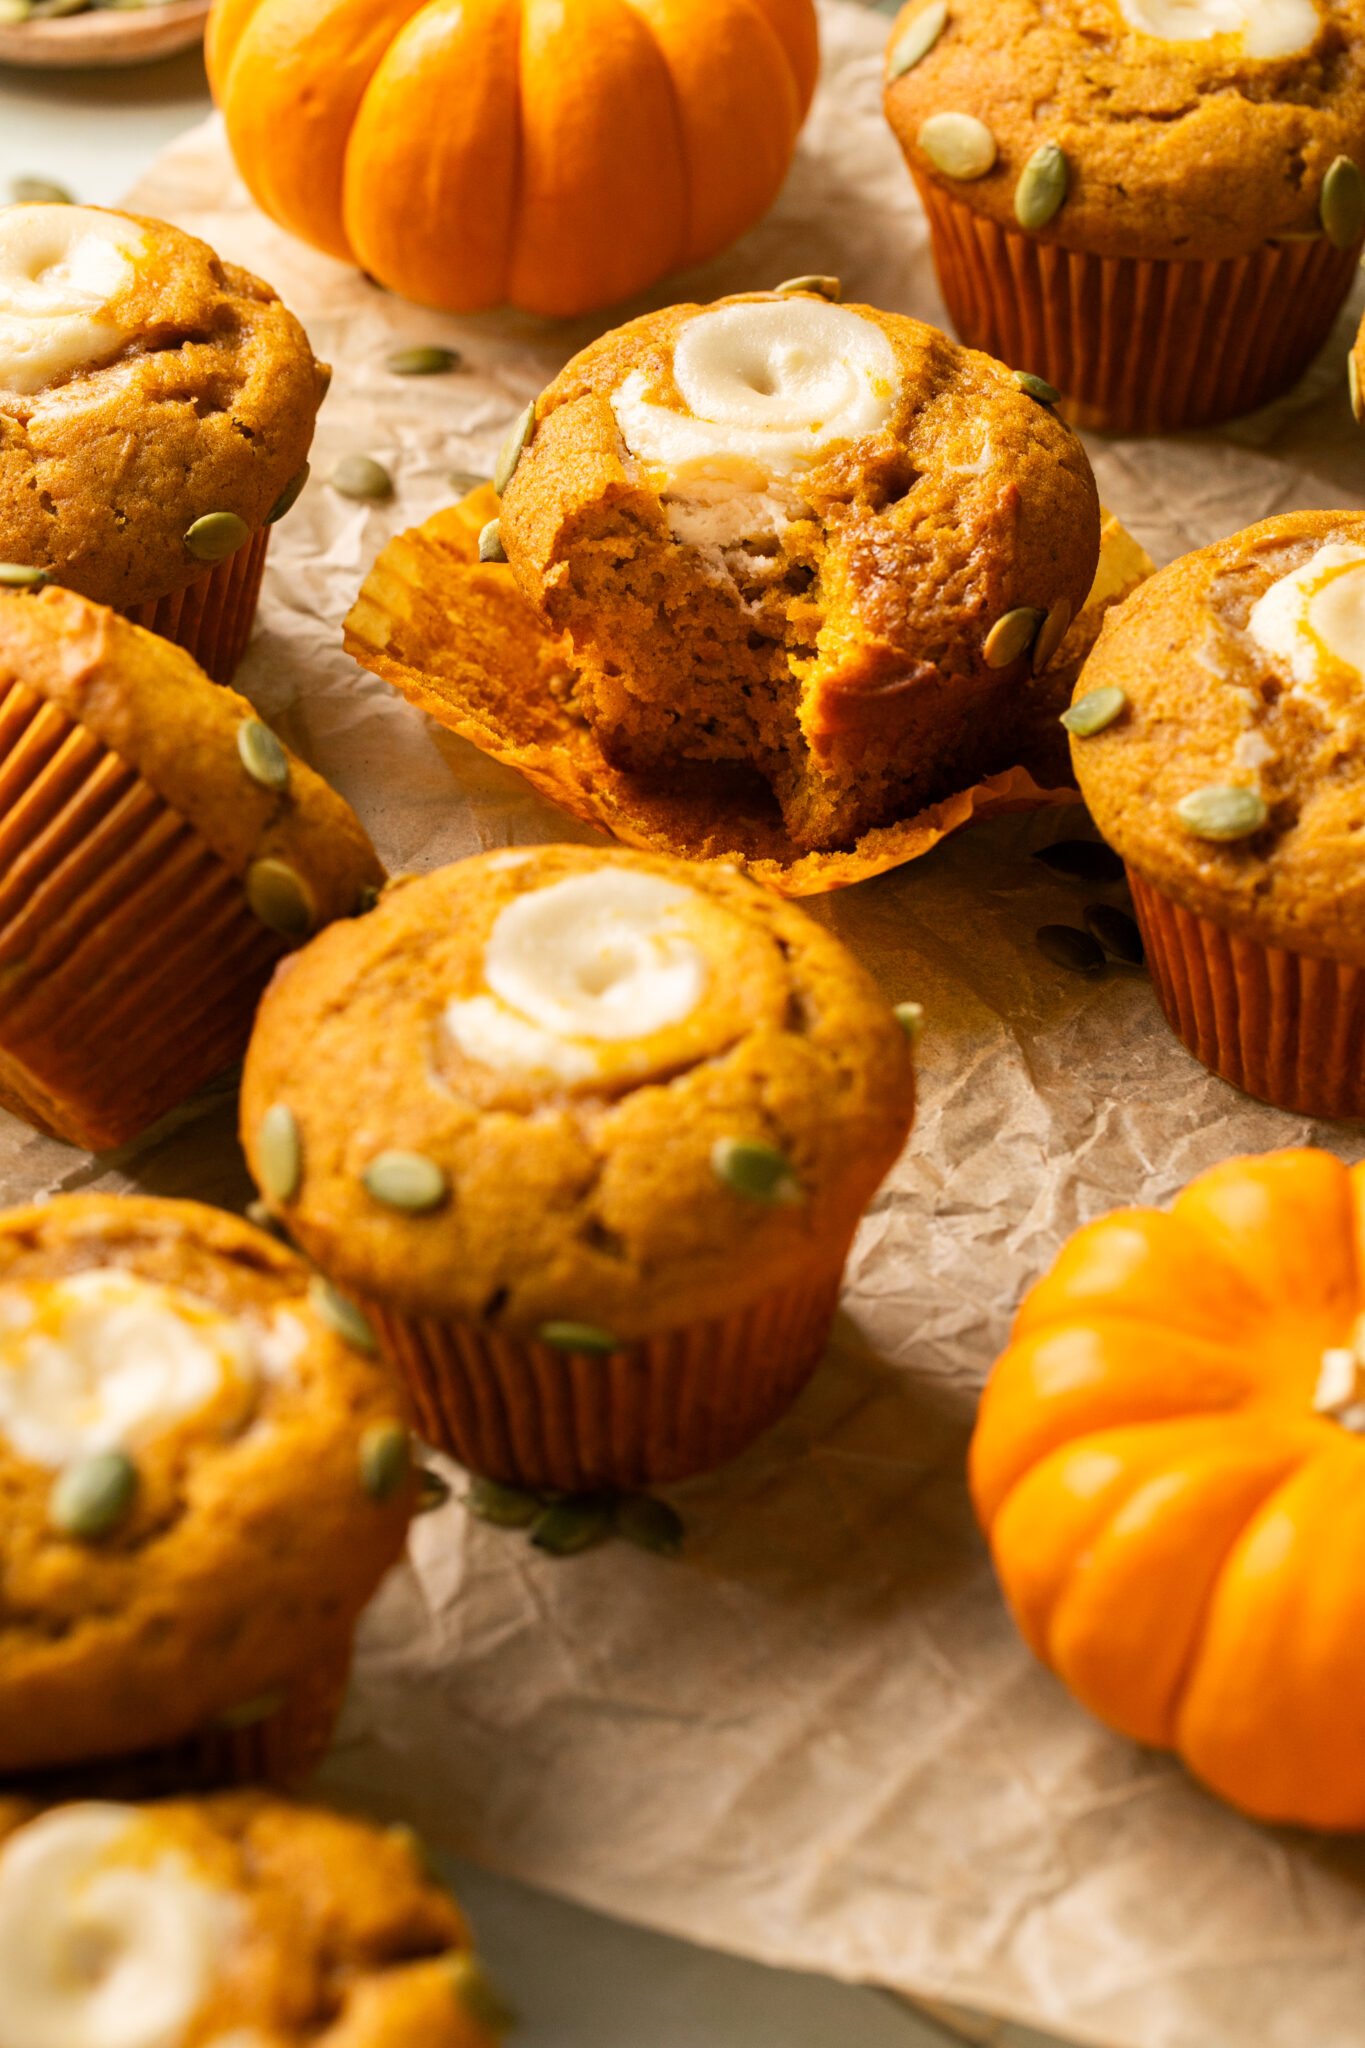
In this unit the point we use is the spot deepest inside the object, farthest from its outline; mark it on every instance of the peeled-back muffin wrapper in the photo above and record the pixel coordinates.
(458, 639)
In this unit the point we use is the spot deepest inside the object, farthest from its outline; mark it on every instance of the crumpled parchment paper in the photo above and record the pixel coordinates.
(815, 1739)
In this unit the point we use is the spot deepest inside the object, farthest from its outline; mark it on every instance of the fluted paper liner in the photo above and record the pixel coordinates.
(212, 617)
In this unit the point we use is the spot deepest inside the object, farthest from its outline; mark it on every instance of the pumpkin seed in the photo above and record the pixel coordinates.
(340, 1315)
(959, 145)
(408, 1181)
(216, 536)
(1222, 812)
(505, 1507)
(650, 1524)
(19, 576)
(262, 1217)
(910, 1017)
(1342, 205)
(360, 476)
(1012, 636)
(1055, 628)
(918, 38)
(279, 1153)
(1095, 712)
(385, 1459)
(478, 1995)
(814, 287)
(1037, 387)
(491, 548)
(1354, 384)
(93, 1495)
(289, 496)
(262, 756)
(758, 1172)
(1074, 950)
(1116, 931)
(428, 361)
(1088, 860)
(35, 191)
(432, 1491)
(251, 1713)
(367, 900)
(566, 1528)
(577, 1337)
(1041, 192)
(514, 447)
(280, 898)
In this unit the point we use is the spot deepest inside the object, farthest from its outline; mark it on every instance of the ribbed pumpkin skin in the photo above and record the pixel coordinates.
(1179, 1536)
(555, 155)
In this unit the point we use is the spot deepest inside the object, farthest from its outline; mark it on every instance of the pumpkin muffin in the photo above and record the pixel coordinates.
(1156, 204)
(202, 1481)
(1219, 740)
(587, 1137)
(812, 543)
(156, 411)
(159, 851)
(240, 1921)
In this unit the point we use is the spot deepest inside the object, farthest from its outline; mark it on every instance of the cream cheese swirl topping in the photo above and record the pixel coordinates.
(104, 1360)
(60, 268)
(597, 959)
(95, 1953)
(1311, 623)
(1264, 28)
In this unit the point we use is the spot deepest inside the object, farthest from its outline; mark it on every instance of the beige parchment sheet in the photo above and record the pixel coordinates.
(815, 1740)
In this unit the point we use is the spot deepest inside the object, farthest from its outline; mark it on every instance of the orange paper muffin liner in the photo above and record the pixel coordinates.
(130, 965)
(649, 1413)
(1285, 1027)
(1138, 347)
(212, 617)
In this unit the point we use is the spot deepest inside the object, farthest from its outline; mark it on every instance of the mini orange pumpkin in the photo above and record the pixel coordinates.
(1170, 1466)
(557, 155)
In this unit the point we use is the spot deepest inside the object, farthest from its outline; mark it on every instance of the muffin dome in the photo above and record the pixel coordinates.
(815, 543)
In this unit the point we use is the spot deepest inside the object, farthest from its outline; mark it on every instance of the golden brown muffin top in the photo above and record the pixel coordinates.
(143, 385)
(1241, 699)
(190, 1465)
(193, 741)
(1174, 148)
(242, 1921)
(583, 1053)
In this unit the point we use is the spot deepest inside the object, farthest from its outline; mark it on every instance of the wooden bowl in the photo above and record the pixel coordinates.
(105, 36)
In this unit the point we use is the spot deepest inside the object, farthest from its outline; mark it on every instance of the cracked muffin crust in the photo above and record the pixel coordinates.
(191, 1508)
(815, 542)
(240, 1921)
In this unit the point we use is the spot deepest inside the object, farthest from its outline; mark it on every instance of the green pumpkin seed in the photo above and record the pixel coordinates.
(1074, 950)
(263, 1217)
(1342, 205)
(1010, 638)
(1116, 931)
(1041, 192)
(1037, 387)
(814, 287)
(19, 576)
(427, 361)
(360, 476)
(1223, 812)
(279, 1153)
(385, 1460)
(93, 1495)
(758, 1172)
(478, 1995)
(341, 1315)
(505, 1507)
(262, 756)
(491, 548)
(917, 39)
(1095, 712)
(1354, 384)
(280, 898)
(577, 1337)
(408, 1181)
(367, 900)
(959, 145)
(514, 447)
(251, 1713)
(289, 496)
(568, 1527)
(216, 536)
(432, 1491)
(1055, 628)
(910, 1017)
(1087, 860)
(650, 1525)
(35, 191)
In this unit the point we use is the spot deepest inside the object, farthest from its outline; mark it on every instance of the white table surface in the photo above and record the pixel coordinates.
(578, 1981)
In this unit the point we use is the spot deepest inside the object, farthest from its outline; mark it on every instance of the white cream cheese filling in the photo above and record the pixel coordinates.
(598, 959)
(1312, 621)
(60, 268)
(1265, 28)
(98, 1954)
